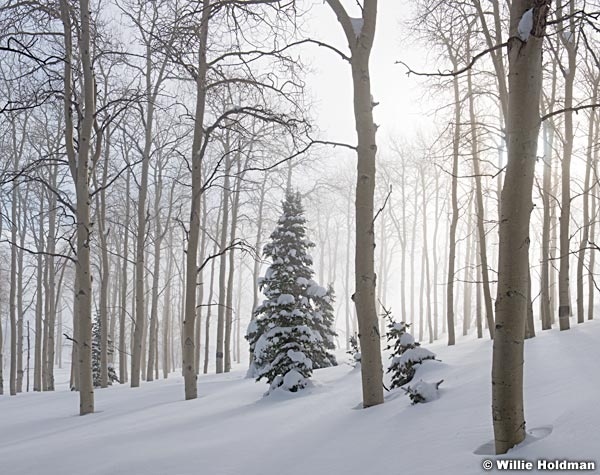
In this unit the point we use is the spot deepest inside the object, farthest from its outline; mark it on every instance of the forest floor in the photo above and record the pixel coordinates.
(232, 429)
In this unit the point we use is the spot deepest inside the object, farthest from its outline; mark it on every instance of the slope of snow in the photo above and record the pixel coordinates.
(231, 429)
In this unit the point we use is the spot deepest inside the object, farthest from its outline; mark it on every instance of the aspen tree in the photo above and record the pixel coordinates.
(360, 34)
(523, 123)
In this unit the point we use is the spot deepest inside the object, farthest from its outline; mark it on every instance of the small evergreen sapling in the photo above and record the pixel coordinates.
(354, 350)
(423, 391)
(406, 354)
(96, 350)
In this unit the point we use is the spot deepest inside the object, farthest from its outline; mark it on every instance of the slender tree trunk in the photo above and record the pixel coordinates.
(564, 309)
(238, 316)
(13, 294)
(79, 164)
(258, 243)
(105, 264)
(478, 295)
(124, 285)
(231, 254)
(480, 208)
(360, 44)
(39, 306)
(435, 256)
(200, 289)
(220, 353)
(158, 239)
(591, 283)
(413, 244)
(545, 294)
(51, 292)
(467, 271)
(189, 372)
(347, 274)
(83, 275)
(24, 200)
(209, 310)
(455, 211)
(167, 310)
(586, 212)
(525, 82)
(426, 258)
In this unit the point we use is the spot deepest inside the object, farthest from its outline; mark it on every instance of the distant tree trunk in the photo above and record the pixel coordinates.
(209, 310)
(220, 353)
(39, 305)
(454, 221)
(446, 262)
(545, 294)
(347, 274)
(200, 289)
(467, 271)
(24, 200)
(554, 244)
(478, 295)
(146, 312)
(360, 43)
(105, 264)
(435, 256)
(564, 309)
(13, 293)
(426, 258)
(238, 317)
(51, 292)
(586, 212)
(258, 243)
(114, 295)
(28, 352)
(591, 283)
(413, 244)
(140, 252)
(480, 209)
(123, 297)
(383, 253)
(522, 125)
(529, 323)
(421, 294)
(159, 235)
(231, 254)
(402, 237)
(167, 310)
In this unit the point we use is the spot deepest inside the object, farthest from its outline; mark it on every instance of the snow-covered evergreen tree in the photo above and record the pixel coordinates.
(406, 354)
(96, 342)
(284, 336)
(354, 350)
(324, 323)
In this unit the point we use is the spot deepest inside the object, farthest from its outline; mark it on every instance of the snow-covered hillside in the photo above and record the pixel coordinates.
(232, 429)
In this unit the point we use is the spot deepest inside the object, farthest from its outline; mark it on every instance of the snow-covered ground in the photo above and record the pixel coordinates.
(232, 429)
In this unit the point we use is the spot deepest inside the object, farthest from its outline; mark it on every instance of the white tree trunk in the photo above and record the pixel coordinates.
(523, 121)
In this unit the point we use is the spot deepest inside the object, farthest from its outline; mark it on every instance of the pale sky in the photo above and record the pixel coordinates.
(330, 84)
